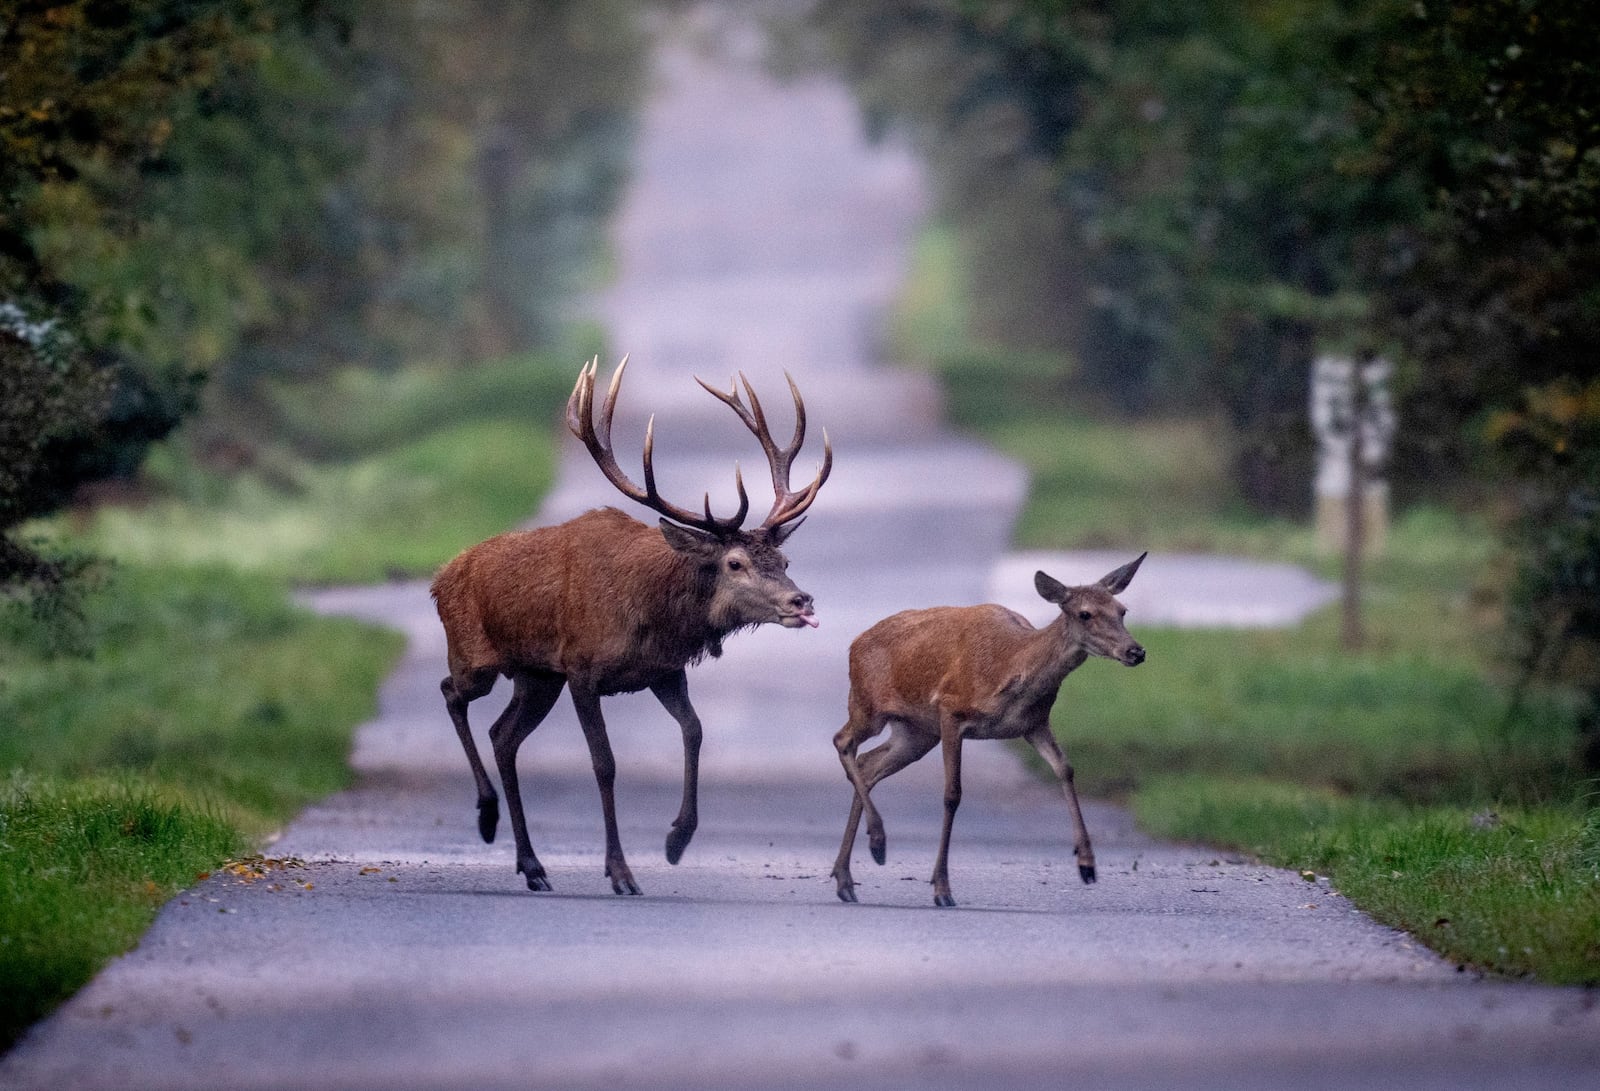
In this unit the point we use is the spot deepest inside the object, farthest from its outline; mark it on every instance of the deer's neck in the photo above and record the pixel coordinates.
(1055, 652)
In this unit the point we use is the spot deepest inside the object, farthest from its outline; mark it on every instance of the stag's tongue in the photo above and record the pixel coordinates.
(809, 619)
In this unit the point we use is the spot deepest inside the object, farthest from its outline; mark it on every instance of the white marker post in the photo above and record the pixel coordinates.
(1354, 425)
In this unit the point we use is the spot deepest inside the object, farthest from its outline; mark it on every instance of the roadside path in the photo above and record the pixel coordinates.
(763, 233)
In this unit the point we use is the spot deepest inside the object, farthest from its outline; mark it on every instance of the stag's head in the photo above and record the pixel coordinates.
(746, 569)
(1093, 614)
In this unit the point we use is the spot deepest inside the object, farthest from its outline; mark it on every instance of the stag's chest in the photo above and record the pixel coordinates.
(648, 654)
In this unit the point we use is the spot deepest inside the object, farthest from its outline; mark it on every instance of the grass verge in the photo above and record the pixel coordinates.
(208, 713)
(1514, 891)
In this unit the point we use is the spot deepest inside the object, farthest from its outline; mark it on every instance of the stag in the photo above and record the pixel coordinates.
(952, 673)
(605, 604)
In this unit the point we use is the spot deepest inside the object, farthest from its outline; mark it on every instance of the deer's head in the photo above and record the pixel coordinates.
(1093, 614)
(746, 569)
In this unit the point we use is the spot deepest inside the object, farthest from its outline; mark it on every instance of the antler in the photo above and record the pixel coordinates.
(787, 506)
(580, 419)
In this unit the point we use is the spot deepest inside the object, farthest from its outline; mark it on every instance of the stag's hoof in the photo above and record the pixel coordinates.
(944, 901)
(678, 839)
(488, 818)
(537, 880)
(1086, 872)
(622, 881)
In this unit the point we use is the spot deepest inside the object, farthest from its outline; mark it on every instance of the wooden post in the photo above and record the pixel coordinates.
(1351, 633)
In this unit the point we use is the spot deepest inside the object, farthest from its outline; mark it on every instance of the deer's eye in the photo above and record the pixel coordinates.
(1084, 615)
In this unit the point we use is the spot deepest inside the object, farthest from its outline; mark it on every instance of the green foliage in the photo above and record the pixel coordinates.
(1514, 892)
(430, 460)
(271, 191)
(83, 869)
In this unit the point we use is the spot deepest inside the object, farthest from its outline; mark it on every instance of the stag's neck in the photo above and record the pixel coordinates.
(687, 632)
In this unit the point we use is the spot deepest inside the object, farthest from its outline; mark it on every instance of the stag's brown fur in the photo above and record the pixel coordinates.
(951, 673)
(551, 599)
(604, 604)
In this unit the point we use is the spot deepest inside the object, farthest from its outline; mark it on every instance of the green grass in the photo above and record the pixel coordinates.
(1515, 891)
(374, 477)
(1367, 767)
(83, 869)
(208, 713)
(400, 512)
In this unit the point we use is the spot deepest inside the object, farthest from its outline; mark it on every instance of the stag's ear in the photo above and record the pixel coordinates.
(692, 542)
(1050, 589)
(1117, 582)
(780, 533)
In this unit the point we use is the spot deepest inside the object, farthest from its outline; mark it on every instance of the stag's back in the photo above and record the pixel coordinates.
(567, 598)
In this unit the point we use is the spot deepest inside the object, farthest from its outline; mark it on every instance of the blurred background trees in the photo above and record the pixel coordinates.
(1202, 197)
(204, 202)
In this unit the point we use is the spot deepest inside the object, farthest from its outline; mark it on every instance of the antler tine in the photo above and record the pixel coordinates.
(796, 504)
(787, 505)
(581, 421)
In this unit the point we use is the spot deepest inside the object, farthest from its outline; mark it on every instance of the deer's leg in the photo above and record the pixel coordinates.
(1045, 743)
(587, 702)
(673, 693)
(529, 706)
(951, 737)
(904, 747)
(456, 698)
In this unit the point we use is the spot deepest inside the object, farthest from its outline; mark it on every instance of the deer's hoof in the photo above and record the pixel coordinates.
(1086, 872)
(847, 893)
(878, 845)
(944, 901)
(488, 818)
(678, 839)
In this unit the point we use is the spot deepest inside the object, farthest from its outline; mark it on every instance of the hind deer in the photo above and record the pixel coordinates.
(605, 604)
(951, 673)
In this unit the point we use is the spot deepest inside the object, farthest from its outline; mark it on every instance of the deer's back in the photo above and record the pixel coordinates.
(572, 598)
(916, 659)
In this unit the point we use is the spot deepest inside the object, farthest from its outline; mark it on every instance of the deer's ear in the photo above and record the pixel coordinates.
(1116, 582)
(684, 540)
(1050, 589)
(780, 533)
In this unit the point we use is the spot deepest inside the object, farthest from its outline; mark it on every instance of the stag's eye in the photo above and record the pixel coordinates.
(735, 566)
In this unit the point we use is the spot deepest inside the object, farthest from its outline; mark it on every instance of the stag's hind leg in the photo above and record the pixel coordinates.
(904, 747)
(457, 695)
(534, 696)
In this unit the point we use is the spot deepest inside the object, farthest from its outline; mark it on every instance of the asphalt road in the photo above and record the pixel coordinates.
(763, 233)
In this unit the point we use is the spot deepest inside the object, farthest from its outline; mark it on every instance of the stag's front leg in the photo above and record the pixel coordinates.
(950, 735)
(528, 708)
(1045, 743)
(587, 703)
(673, 693)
